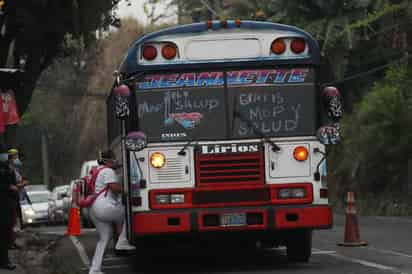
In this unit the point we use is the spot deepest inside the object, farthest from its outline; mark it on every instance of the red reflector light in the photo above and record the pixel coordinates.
(323, 193)
(298, 45)
(278, 46)
(169, 51)
(149, 52)
(223, 23)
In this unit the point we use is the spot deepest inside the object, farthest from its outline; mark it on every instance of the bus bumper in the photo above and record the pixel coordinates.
(209, 220)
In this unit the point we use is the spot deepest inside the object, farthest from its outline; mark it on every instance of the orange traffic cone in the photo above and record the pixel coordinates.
(73, 227)
(352, 235)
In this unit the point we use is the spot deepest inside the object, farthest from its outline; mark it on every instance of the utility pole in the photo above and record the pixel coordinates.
(45, 157)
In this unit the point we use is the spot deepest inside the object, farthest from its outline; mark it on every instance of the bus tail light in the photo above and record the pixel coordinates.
(149, 52)
(278, 46)
(169, 51)
(298, 45)
(301, 153)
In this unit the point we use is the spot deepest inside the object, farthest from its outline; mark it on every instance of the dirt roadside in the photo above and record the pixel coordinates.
(33, 254)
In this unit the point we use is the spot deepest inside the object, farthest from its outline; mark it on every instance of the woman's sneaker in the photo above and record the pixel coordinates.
(124, 245)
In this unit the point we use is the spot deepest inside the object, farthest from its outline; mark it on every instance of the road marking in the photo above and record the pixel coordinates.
(391, 252)
(63, 232)
(114, 258)
(80, 248)
(358, 261)
(322, 252)
(111, 267)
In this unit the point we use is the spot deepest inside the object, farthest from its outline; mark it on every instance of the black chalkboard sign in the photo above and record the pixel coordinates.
(176, 114)
(276, 111)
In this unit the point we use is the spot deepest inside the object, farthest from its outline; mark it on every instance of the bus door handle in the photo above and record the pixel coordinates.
(272, 165)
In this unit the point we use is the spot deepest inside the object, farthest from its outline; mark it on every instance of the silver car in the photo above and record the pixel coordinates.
(57, 213)
(36, 210)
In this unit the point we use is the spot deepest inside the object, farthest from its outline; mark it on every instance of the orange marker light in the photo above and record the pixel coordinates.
(278, 46)
(157, 160)
(298, 45)
(301, 153)
(169, 51)
(149, 52)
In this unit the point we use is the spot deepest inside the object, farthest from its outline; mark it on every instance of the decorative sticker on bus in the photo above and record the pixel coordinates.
(179, 80)
(234, 78)
(175, 114)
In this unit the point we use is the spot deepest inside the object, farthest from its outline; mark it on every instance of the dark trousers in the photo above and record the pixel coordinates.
(6, 225)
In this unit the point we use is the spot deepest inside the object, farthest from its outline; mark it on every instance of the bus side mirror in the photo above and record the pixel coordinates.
(329, 135)
(136, 141)
(332, 101)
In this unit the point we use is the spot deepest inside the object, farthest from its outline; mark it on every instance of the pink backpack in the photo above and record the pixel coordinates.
(88, 195)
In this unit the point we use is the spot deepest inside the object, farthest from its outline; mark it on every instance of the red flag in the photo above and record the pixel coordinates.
(9, 108)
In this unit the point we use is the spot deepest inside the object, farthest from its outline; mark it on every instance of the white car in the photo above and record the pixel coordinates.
(36, 211)
(57, 213)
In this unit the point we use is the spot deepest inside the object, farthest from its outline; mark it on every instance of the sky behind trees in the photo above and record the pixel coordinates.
(136, 10)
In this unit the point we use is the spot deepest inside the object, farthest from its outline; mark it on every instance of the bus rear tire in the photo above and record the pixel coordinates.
(299, 246)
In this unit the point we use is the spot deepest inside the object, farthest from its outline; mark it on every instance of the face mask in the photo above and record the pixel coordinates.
(17, 163)
(4, 157)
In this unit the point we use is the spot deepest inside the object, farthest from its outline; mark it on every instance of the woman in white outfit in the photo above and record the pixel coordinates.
(107, 210)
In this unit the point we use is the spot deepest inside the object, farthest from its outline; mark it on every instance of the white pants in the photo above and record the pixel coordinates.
(104, 214)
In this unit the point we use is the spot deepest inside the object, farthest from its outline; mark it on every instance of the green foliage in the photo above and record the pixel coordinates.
(69, 105)
(378, 137)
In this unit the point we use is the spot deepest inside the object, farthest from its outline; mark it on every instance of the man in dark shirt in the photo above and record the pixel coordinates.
(8, 196)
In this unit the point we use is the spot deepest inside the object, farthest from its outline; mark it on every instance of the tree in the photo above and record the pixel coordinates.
(69, 103)
(34, 32)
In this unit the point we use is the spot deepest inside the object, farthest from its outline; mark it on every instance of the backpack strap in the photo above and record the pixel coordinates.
(95, 175)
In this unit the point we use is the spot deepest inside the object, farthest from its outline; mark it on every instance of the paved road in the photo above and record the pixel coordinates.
(389, 251)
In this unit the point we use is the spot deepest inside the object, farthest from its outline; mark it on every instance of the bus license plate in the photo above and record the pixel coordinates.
(233, 219)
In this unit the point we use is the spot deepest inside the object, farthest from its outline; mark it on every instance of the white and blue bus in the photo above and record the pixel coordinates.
(231, 111)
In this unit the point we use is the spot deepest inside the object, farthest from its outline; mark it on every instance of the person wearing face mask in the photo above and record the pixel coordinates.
(16, 165)
(8, 196)
(107, 210)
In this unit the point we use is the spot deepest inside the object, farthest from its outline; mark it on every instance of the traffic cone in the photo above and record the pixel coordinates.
(352, 235)
(73, 226)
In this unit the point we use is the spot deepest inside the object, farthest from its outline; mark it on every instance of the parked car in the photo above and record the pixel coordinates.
(67, 200)
(35, 210)
(56, 210)
(39, 187)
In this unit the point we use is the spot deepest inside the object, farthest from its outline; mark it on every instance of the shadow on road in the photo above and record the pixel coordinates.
(213, 261)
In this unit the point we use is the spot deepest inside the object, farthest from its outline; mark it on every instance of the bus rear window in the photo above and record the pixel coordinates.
(277, 102)
(236, 104)
(175, 107)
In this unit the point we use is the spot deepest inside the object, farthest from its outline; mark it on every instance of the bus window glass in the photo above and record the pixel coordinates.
(182, 106)
(276, 102)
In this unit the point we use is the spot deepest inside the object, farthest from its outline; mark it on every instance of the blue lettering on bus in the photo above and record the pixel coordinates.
(234, 78)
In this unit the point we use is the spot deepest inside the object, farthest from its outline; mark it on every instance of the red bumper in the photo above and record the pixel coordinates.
(258, 219)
